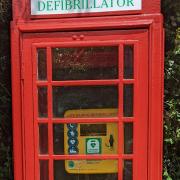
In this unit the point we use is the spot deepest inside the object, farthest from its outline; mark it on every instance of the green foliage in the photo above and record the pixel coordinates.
(172, 91)
(5, 11)
(5, 93)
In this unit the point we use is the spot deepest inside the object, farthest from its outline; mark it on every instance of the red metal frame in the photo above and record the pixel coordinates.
(25, 31)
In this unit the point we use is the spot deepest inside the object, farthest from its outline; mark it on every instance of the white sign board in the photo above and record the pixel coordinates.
(48, 7)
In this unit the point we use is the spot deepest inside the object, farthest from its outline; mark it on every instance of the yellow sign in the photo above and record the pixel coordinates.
(91, 139)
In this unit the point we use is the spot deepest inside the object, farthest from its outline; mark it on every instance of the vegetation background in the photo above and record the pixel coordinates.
(171, 11)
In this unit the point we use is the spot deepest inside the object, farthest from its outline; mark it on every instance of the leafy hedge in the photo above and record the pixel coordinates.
(172, 114)
(171, 164)
(5, 93)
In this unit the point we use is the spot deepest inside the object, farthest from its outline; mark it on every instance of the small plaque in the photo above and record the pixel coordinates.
(93, 146)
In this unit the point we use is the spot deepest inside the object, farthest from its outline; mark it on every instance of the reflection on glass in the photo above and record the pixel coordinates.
(84, 97)
(128, 170)
(42, 64)
(42, 101)
(128, 138)
(128, 61)
(81, 63)
(44, 169)
(128, 100)
(82, 138)
(43, 138)
(58, 138)
(86, 170)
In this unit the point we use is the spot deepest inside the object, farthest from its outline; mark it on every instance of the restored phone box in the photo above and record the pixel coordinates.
(87, 152)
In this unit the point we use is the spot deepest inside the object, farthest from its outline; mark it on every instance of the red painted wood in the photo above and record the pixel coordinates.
(137, 35)
(73, 157)
(80, 83)
(83, 120)
(23, 106)
(28, 112)
(18, 154)
(140, 91)
(156, 101)
(120, 113)
(114, 22)
(50, 113)
(36, 130)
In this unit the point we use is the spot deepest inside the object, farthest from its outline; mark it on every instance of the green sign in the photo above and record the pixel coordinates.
(93, 145)
(45, 7)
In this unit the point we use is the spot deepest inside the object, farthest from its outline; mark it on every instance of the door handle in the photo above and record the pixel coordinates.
(111, 141)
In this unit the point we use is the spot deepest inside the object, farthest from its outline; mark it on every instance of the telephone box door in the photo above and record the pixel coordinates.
(85, 98)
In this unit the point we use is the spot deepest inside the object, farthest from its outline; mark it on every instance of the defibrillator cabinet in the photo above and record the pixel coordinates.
(87, 89)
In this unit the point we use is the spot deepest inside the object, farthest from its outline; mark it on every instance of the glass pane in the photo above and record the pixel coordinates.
(85, 97)
(42, 64)
(128, 170)
(128, 62)
(128, 138)
(86, 170)
(82, 138)
(43, 138)
(58, 138)
(44, 169)
(80, 63)
(42, 101)
(128, 100)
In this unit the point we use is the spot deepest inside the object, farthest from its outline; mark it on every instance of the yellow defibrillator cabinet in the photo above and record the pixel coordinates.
(91, 139)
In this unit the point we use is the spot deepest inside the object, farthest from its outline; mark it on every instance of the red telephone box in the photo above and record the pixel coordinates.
(87, 85)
